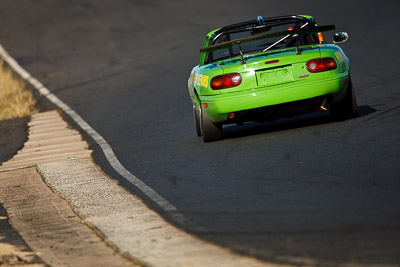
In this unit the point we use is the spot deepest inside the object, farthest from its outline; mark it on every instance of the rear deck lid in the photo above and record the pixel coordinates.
(270, 69)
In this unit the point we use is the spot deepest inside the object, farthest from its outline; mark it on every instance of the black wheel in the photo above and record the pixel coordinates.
(347, 108)
(196, 117)
(210, 131)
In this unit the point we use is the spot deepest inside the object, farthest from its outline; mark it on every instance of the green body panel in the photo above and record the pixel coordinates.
(268, 84)
(220, 106)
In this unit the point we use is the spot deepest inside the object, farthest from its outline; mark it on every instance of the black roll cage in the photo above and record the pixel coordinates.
(259, 25)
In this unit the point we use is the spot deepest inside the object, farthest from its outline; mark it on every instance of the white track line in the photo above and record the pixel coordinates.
(107, 150)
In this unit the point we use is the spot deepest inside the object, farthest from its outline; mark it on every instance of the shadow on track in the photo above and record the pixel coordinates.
(307, 120)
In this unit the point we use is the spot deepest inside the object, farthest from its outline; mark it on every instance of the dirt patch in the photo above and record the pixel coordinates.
(15, 100)
(16, 105)
(13, 135)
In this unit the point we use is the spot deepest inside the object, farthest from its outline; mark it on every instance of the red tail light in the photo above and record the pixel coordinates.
(321, 64)
(226, 81)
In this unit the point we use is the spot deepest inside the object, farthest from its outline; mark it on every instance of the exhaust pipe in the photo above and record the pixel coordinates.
(326, 103)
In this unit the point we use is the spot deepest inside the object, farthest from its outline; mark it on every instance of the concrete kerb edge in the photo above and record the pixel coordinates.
(100, 234)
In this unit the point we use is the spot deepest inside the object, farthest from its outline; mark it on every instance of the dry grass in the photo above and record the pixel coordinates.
(15, 100)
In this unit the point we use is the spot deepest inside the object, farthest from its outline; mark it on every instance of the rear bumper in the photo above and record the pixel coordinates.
(219, 106)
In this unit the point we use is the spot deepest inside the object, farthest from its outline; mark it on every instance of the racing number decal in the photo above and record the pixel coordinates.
(202, 80)
(199, 80)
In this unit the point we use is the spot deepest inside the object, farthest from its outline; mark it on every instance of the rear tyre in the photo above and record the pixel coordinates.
(196, 117)
(210, 131)
(347, 108)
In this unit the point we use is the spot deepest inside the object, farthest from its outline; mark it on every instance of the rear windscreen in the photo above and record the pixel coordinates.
(257, 46)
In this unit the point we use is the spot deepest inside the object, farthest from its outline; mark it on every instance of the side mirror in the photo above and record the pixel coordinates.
(340, 37)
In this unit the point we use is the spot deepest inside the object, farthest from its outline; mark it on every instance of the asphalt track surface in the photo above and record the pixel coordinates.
(298, 190)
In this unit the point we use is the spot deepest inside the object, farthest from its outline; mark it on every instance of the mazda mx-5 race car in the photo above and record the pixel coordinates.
(265, 69)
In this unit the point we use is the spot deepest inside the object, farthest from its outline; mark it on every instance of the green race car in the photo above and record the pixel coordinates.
(265, 69)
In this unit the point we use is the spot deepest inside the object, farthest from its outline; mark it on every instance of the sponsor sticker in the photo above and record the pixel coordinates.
(202, 80)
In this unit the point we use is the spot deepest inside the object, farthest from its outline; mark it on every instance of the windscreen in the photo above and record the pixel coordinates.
(261, 45)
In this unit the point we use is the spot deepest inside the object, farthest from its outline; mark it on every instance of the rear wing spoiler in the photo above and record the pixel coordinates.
(229, 44)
